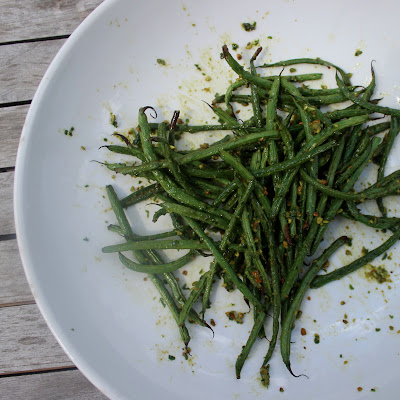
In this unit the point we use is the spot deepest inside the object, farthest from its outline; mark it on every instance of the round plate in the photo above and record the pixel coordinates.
(110, 320)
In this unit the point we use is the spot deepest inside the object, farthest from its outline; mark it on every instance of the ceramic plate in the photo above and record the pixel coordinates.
(110, 320)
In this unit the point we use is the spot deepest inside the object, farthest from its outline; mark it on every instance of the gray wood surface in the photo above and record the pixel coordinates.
(22, 67)
(27, 19)
(14, 287)
(27, 347)
(11, 123)
(26, 343)
(60, 385)
(6, 203)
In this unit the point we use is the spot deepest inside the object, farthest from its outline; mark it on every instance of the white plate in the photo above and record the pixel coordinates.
(104, 316)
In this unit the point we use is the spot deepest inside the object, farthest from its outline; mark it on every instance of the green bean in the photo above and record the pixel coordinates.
(342, 195)
(299, 259)
(130, 151)
(386, 181)
(312, 193)
(328, 99)
(296, 161)
(230, 203)
(394, 130)
(298, 77)
(348, 269)
(306, 91)
(209, 173)
(180, 177)
(247, 76)
(224, 194)
(167, 184)
(303, 198)
(305, 120)
(250, 272)
(298, 142)
(287, 324)
(295, 92)
(156, 268)
(337, 155)
(362, 144)
(339, 114)
(198, 215)
(255, 98)
(225, 241)
(243, 99)
(363, 103)
(142, 194)
(275, 278)
(201, 154)
(116, 228)
(184, 128)
(258, 325)
(156, 244)
(232, 87)
(377, 128)
(273, 99)
(246, 175)
(194, 295)
(207, 188)
(256, 260)
(128, 233)
(331, 130)
(370, 88)
(354, 164)
(223, 263)
(317, 61)
(138, 170)
(227, 118)
(315, 141)
(324, 160)
(337, 202)
(351, 144)
(159, 213)
(280, 195)
(369, 220)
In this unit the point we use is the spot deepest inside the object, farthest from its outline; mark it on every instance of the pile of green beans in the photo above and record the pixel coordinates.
(270, 189)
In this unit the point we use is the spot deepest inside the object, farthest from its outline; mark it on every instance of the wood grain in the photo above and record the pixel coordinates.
(60, 385)
(6, 203)
(13, 285)
(22, 19)
(22, 67)
(11, 123)
(26, 342)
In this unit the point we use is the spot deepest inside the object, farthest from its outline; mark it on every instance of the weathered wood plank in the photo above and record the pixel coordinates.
(71, 385)
(6, 203)
(11, 123)
(21, 19)
(22, 67)
(13, 284)
(26, 342)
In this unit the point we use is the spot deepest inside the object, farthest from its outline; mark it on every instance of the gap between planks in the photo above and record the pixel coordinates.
(6, 203)
(60, 385)
(19, 83)
(11, 122)
(24, 20)
(37, 371)
(26, 342)
(14, 288)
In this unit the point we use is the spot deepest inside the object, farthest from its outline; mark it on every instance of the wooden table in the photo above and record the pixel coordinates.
(32, 364)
